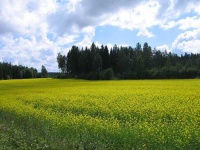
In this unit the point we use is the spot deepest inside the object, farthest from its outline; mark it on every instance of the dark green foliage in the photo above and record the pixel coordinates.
(1, 71)
(61, 60)
(104, 52)
(107, 74)
(147, 56)
(9, 71)
(129, 63)
(44, 73)
(97, 63)
(73, 60)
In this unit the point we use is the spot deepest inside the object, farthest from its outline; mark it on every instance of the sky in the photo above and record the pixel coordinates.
(33, 32)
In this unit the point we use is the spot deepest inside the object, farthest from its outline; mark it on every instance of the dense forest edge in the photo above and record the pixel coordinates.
(9, 71)
(119, 62)
(101, 63)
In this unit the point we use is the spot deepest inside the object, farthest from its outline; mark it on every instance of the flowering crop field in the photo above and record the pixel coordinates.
(80, 114)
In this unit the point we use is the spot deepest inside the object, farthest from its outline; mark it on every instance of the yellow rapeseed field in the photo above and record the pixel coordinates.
(80, 114)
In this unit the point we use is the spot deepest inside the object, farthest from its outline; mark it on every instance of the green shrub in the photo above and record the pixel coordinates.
(107, 74)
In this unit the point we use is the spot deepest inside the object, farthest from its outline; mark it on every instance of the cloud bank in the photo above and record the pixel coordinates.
(33, 32)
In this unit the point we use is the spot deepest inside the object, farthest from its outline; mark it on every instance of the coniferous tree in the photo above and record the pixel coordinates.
(73, 60)
(44, 73)
(97, 63)
(1, 71)
(128, 63)
(9, 71)
(147, 56)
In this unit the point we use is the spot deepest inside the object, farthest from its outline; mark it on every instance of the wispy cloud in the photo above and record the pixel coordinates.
(144, 32)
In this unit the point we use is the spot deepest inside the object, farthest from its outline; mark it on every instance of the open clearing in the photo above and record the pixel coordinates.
(79, 114)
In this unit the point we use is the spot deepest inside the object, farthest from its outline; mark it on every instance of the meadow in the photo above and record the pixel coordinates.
(80, 114)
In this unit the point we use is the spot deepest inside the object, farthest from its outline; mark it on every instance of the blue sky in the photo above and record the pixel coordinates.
(32, 32)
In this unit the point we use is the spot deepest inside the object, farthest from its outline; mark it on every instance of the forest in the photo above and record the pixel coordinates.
(9, 71)
(102, 63)
(141, 62)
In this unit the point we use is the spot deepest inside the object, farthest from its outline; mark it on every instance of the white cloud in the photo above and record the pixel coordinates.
(72, 4)
(172, 9)
(165, 9)
(187, 35)
(197, 9)
(24, 17)
(188, 41)
(163, 48)
(169, 25)
(31, 52)
(135, 17)
(191, 46)
(189, 22)
(66, 39)
(23, 31)
(76, 15)
(144, 32)
(89, 33)
(184, 24)
(89, 30)
(33, 32)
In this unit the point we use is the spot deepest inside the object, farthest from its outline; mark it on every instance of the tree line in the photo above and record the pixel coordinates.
(9, 71)
(140, 62)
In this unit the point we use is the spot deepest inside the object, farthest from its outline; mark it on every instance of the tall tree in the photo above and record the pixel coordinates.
(44, 73)
(123, 62)
(104, 52)
(27, 73)
(93, 47)
(147, 56)
(17, 72)
(1, 71)
(73, 60)
(62, 62)
(97, 63)
(82, 62)
(128, 62)
(113, 57)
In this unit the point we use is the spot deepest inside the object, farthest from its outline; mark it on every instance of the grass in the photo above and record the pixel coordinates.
(79, 114)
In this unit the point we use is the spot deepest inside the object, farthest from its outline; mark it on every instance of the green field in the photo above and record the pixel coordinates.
(79, 114)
